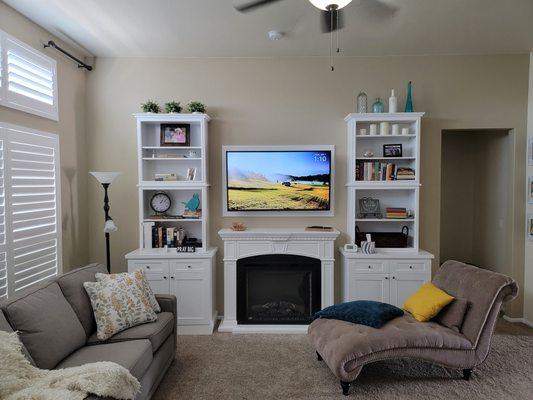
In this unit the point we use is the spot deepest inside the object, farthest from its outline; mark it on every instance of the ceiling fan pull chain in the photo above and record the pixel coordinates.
(331, 42)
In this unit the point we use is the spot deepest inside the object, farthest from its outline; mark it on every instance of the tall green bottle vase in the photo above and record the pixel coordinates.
(409, 100)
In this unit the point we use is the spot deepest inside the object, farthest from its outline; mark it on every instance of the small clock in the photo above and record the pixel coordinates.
(160, 202)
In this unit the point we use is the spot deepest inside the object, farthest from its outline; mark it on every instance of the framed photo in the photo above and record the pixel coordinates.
(530, 190)
(392, 150)
(530, 151)
(175, 134)
(191, 174)
(529, 227)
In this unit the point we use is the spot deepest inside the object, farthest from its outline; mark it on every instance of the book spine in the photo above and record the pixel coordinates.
(147, 228)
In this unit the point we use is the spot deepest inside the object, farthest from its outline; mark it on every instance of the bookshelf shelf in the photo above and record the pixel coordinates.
(172, 158)
(384, 158)
(171, 147)
(173, 220)
(384, 220)
(409, 136)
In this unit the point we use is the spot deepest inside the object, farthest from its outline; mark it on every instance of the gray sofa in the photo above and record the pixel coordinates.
(56, 325)
(347, 347)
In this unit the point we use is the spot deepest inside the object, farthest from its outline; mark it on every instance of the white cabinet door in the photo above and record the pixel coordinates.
(192, 293)
(160, 283)
(403, 284)
(364, 286)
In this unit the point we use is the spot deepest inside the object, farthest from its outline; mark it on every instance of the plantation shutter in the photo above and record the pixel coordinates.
(29, 80)
(32, 206)
(3, 253)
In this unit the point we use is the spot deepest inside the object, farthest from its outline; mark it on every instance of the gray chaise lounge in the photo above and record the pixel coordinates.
(347, 347)
(57, 328)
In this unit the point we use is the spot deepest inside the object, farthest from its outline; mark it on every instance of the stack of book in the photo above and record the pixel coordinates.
(166, 177)
(405, 174)
(381, 171)
(395, 213)
(196, 214)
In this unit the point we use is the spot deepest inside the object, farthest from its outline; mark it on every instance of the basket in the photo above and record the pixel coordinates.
(393, 240)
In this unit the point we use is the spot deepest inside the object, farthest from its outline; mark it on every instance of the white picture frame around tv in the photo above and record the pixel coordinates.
(278, 213)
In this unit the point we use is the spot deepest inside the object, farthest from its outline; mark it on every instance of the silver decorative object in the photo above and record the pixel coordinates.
(362, 103)
(369, 207)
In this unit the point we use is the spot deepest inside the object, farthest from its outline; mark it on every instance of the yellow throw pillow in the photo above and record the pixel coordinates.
(427, 302)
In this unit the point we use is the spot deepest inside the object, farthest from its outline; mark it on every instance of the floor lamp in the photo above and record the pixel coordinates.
(106, 178)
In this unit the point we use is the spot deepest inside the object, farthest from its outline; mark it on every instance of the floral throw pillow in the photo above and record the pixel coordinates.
(118, 305)
(137, 278)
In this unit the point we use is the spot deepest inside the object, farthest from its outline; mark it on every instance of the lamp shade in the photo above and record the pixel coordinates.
(323, 4)
(105, 177)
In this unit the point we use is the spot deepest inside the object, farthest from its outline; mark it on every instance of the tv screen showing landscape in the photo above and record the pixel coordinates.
(278, 180)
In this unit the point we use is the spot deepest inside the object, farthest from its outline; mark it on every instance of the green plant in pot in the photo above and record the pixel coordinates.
(150, 107)
(173, 107)
(196, 107)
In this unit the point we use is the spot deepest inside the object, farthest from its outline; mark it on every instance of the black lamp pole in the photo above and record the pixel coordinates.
(106, 211)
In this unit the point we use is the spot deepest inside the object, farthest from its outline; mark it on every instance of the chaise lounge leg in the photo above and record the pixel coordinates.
(466, 374)
(345, 387)
(318, 356)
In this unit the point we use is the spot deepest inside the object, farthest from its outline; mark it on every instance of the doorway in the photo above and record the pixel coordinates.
(477, 197)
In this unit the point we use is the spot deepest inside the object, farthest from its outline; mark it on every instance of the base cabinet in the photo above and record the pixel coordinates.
(387, 277)
(190, 278)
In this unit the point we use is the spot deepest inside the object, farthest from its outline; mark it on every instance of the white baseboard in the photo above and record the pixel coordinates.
(521, 320)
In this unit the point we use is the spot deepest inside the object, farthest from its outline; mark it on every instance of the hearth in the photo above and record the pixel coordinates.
(278, 289)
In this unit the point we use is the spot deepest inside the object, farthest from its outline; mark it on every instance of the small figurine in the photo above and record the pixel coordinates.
(193, 203)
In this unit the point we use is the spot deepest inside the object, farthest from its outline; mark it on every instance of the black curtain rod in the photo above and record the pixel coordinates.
(81, 64)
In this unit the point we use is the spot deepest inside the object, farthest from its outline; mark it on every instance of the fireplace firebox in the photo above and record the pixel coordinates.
(278, 289)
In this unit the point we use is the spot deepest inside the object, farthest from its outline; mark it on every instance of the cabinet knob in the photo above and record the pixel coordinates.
(386, 277)
(410, 267)
(147, 267)
(188, 266)
(171, 277)
(393, 277)
(164, 277)
(370, 266)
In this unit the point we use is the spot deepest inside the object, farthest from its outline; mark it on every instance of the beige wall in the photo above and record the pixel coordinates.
(475, 196)
(299, 101)
(71, 131)
(528, 278)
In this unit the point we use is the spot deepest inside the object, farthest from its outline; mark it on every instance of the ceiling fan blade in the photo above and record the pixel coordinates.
(252, 5)
(332, 20)
(376, 10)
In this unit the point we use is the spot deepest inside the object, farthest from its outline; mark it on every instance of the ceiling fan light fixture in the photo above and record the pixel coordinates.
(324, 4)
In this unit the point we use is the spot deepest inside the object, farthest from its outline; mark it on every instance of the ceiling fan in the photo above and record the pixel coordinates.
(332, 14)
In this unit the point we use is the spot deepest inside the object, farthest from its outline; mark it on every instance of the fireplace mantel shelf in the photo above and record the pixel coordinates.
(254, 242)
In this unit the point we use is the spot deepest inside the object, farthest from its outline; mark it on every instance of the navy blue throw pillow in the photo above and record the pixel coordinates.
(363, 312)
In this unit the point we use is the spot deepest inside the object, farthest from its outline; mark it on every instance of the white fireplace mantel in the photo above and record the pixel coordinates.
(255, 242)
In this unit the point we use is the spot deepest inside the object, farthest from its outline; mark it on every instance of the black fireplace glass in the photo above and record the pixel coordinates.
(278, 289)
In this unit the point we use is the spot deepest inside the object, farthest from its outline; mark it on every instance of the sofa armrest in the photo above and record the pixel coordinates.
(168, 303)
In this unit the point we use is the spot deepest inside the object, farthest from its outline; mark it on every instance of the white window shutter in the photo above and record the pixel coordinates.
(29, 79)
(3, 253)
(32, 207)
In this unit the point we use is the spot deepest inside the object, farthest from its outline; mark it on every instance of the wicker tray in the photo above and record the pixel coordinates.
(384, 239)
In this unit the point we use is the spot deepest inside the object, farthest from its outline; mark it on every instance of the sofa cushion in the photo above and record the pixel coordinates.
(4, 326)
(453, 314)
(134, 355)
(71, 285)
(47, 325)
(344, 344)
(156, 332)
(364, 312)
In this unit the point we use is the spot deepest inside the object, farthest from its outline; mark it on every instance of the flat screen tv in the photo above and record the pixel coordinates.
(270, 181)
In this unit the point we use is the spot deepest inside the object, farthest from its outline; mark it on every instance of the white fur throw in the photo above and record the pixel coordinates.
(19, 380)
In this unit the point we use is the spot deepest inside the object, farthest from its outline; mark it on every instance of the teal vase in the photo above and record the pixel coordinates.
(378, 107)
(409, 101)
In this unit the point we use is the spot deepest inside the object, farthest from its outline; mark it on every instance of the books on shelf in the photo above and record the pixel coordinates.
(395, 213)
(382, 171)
(156, 237)
(166, 177)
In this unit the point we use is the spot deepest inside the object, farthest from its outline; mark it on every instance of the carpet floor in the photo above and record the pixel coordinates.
(261, 367)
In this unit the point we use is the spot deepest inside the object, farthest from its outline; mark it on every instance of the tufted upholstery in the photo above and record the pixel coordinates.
(346, 347)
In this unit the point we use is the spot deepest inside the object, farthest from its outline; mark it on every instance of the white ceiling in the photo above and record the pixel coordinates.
(212, 28)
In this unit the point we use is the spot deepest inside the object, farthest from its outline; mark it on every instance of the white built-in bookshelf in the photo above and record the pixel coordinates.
(390, 193)
(188, 276)
(155, 159)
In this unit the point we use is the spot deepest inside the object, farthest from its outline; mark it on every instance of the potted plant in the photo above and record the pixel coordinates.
(150, 107)
(173, 107)
(196, 107)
